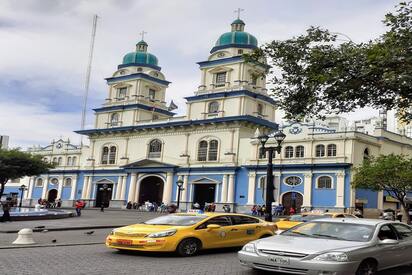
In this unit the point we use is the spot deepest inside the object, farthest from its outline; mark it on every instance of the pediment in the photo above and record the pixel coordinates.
(205, 180)
(148, 163)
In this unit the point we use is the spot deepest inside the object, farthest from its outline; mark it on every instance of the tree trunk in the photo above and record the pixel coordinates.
(406, 212)
(2, 186)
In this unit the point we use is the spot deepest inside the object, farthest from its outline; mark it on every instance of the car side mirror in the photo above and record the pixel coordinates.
(388, 241)
(213, 226)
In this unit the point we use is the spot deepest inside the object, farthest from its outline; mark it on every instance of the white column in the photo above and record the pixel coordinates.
(60, 187)
(85, 182)
(251, 188)
(167, 192)
(137, 191)
(231, 189)
(132, 187)
(73, 190)
(340, 190)
(307, 190)
(380, 200)
(45, 186)
(276, 192)
(119, 187)
(123, 189)
(30, 189)
(185, 186)
(223, 198)
(89, 188)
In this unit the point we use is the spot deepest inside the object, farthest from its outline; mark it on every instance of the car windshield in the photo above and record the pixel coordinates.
(331, 230)
(178, 220)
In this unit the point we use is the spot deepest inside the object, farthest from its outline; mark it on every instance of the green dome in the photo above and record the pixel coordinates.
(237, 37)
(140, 58)
(238, 21)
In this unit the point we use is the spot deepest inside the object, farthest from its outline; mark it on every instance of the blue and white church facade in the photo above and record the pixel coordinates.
(139, 148)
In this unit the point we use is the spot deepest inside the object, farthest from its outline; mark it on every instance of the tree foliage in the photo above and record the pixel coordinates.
(319, 74)
(391, 173)
(15, 164)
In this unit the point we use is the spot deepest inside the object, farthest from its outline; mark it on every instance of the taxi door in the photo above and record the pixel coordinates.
(244, 230)
(214, 238)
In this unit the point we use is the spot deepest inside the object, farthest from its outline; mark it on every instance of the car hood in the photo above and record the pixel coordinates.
(144, 228)
(305, 245)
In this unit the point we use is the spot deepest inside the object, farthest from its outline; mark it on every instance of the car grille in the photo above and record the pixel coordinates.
(131, 235)
(283, 253)
(281, 268)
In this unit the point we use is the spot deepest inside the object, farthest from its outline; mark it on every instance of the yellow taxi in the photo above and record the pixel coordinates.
(187, 233)
(285, 224)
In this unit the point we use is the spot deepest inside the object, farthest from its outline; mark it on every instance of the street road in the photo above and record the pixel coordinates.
(96, 259)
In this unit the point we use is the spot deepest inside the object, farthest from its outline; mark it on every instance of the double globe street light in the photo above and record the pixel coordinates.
(22, 188)
(279, 136)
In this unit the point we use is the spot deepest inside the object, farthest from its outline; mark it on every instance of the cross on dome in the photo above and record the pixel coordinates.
(142, 34)
(238, 11)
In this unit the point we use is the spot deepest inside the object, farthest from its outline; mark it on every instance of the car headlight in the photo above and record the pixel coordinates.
(111, 233)
(250, 247)
(162, 234)
(332, 257)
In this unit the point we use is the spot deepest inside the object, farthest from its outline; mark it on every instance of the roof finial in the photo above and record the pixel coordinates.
(142, 34)
(238, 11)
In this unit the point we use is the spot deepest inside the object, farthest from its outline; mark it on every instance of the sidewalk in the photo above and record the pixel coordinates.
(90, 219)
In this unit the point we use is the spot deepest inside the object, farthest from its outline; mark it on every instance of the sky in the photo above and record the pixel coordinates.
(44, 47)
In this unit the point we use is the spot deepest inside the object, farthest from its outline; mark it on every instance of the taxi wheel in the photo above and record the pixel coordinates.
(367, 267)
(188, 247)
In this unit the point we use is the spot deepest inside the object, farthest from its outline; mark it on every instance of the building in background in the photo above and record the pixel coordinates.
(4, 142)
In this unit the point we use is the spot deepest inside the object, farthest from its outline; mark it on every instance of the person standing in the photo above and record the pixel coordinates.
(6, 210)
(79, 205)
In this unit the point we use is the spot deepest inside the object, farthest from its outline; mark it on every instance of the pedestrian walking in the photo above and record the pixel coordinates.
(79, 205)
(6, 210)
(292, 211)
(102, 207)
(226, 208)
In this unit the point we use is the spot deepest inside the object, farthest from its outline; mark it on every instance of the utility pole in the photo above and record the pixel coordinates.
(88, 72)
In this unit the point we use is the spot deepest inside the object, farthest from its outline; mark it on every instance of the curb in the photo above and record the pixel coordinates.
(47, 245)
(68, 228)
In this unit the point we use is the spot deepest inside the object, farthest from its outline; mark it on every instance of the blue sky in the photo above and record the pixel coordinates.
(44, 48)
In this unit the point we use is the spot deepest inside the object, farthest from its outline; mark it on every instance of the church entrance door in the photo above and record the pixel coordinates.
(104, 194)
(292, 199)
(204, 193)
(52, 195)
(151, 189)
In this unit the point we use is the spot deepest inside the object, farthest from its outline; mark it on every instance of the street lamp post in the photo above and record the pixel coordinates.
(22, 188)
(179, 184)
(279, 136)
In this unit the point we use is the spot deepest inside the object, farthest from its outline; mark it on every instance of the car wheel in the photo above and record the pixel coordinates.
(367, 267)
(188, 247)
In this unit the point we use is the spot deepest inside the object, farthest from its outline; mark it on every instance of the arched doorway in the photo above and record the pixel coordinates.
(292, 199)
(151, 189)
(204, 193)
(52, 195)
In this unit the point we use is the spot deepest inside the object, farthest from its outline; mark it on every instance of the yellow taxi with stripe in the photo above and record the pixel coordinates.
(285, 224)
(187, 233)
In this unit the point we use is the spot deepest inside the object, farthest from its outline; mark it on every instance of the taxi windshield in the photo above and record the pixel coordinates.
(330, 230)
(177, 220)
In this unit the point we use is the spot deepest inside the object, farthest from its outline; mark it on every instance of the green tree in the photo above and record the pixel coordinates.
(391, 173)
(15, 164)
(317, 73)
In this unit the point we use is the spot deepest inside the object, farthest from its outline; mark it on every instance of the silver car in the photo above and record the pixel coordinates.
(332, 246)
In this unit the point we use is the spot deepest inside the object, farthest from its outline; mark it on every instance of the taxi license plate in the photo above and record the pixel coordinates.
(124, 242)
(279, 260)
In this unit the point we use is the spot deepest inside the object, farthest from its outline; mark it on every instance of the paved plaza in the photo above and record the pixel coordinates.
(75, 252)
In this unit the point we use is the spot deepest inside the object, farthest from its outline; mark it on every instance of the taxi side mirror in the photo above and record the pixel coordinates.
(388, 241)
(213, 226)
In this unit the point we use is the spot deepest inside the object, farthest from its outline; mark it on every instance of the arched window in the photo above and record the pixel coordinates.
(262, 153)
(202, 151)
(213, 107)
(289, 152)
(69, 161)
(332, 150)
(300, 151)
(60, 161)
(68, 182)
(112, 155)
(325, 182)
(54, 181)
(121, 93)
(213, 148)
(155, 148)
(259, 109)
(320, 150)
(39, 182)
(74, 161)
(262, 183)
(114, 119)
(366, 154)
(54, 160)
(105, 155)
(293, 180)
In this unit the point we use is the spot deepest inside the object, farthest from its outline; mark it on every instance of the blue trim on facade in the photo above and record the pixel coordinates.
(231, 94)
(246, 118)
(133, 106)
(243, 46)
(136, 76)
(208, 63)
(121, 66)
